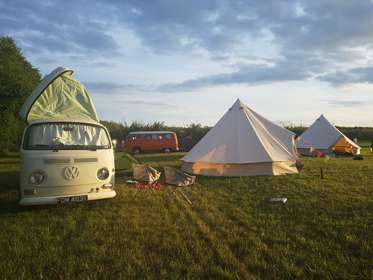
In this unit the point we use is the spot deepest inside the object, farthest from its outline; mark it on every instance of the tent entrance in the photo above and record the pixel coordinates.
(342, 146)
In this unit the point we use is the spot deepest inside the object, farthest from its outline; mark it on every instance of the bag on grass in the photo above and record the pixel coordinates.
(145, 173)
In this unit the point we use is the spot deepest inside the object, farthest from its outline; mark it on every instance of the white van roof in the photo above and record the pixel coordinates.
(150, 132)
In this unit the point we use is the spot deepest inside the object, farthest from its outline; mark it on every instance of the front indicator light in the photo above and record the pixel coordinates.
(29, 191)
(107, 186)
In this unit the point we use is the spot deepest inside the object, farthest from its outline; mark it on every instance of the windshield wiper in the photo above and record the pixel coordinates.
(43, 147)
(81, 147)
(92, 147)
(56, 148)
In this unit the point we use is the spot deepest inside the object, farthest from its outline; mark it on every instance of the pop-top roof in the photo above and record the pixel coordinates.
(59, 96)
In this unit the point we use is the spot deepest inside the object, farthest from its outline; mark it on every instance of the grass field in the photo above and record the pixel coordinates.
(231, 231)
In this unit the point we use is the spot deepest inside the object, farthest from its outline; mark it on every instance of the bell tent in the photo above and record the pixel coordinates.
(243, 143)
(324, 137)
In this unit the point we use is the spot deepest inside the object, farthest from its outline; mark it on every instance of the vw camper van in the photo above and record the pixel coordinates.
(151, 141)
(66, 154)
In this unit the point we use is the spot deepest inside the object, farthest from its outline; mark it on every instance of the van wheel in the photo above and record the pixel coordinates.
(167, 150)
(136, 151)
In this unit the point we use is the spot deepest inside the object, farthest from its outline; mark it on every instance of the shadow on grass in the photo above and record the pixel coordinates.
(9, 194)
(9, 181)
(9, 162)
(12, 155)
(10, 206)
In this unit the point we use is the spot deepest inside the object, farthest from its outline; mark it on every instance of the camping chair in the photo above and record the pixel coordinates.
(177, 177)
(145, 173)
(146, 177)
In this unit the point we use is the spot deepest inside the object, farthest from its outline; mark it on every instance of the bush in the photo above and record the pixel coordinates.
(17, 80)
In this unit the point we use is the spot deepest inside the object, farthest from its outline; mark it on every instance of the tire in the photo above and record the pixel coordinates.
(167, 150)
(136, 150)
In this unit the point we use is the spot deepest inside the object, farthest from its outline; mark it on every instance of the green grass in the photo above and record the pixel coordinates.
(123, 161)
(159, 160)
(231, 231)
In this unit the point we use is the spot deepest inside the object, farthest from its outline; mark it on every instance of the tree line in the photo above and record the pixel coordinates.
(119, 130)
(18, 78)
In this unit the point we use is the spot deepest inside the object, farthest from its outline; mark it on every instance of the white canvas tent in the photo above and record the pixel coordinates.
(324, 137)
(243, 143)
(59, 96)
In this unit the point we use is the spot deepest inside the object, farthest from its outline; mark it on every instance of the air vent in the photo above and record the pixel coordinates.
(56, 160)
(80, 160)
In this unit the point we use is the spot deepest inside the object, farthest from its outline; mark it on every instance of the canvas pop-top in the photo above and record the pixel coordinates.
(66, 154)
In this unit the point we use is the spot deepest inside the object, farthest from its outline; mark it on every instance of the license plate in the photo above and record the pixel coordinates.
(68, 199)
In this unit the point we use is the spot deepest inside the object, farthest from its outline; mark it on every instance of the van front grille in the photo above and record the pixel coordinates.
(56, 160)
(80, 160)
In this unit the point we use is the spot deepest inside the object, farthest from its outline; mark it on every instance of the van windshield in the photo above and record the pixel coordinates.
(65, 136)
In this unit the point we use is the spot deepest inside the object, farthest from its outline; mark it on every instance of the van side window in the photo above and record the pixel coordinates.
(154, 136)
(168, 136)
(147, 137)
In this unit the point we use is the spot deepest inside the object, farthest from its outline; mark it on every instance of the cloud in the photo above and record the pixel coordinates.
(56, 26)
(290, 69)
(109, 88)
(154, 104)
(326, 33)
(299, 39)
(254, 74)
(355, 75)
(219, 25)
(349, 103)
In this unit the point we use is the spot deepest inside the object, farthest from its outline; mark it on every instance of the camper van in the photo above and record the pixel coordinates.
(66, 154)
(151, 141)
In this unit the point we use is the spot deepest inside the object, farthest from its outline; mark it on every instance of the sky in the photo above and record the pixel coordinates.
(185, 62)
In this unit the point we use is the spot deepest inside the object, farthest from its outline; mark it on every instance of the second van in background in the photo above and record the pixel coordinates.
(151, 141)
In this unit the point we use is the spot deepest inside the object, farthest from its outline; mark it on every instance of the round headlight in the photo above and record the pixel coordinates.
(37, 177)
(103, 173)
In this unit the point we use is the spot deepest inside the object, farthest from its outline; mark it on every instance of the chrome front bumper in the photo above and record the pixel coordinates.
(43, 200)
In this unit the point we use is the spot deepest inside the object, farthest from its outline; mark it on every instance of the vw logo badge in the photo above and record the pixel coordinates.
(71, 172)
